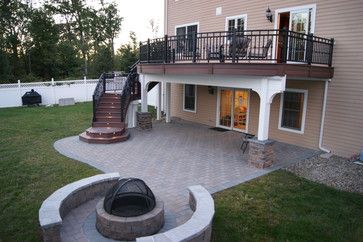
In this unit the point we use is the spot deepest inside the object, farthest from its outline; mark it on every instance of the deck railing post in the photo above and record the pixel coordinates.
(194, 47)
(140, 54)
(234, 45)
(330, 62)
(166, 49)
(285, 44)
(94, 107)
(104, 82)
(148, 50)
(309, 48)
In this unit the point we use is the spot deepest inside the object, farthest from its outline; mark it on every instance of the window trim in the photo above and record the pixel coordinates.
(195, 99)
(244, 16)
(291, 9)
(305, 92)
(186, 26)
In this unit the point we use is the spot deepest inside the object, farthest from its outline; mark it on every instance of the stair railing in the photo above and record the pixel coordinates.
(97, 94)
(131, 90)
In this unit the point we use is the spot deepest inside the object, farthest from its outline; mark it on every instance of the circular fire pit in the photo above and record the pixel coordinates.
(129, 210)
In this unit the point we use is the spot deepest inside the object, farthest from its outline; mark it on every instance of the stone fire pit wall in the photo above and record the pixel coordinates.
(62, 201)
(198, 228)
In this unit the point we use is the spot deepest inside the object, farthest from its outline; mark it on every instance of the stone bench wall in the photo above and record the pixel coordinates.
(62, 201)
(198, 228)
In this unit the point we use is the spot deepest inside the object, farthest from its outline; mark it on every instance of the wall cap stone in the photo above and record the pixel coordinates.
(261, 142)
(49, 212)
(200, 221)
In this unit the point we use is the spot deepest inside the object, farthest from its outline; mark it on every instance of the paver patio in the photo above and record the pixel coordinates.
(169, 158)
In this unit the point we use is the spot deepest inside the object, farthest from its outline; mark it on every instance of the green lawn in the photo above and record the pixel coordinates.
(30, 167)
(283, 207)
(276, 207)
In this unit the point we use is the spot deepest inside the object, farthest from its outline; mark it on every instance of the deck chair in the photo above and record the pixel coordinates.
(242, 44)
(215, 53)
(260, 52)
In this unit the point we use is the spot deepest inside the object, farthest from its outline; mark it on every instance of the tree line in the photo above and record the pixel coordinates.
(62, 39)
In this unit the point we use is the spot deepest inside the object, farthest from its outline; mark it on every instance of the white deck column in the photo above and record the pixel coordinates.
(264, 119)
(158, 102)
(267, 89)
(168, 100)
(143, 94)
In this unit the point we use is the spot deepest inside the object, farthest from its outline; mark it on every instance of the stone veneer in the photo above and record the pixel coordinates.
(198, 228)
(62, 201)
(261, 153)
(129, 228)
(144, 120)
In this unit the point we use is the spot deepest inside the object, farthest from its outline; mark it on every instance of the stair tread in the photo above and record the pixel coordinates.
(104, 130)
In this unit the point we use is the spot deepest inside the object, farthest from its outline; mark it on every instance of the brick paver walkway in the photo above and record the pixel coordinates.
(169, 158)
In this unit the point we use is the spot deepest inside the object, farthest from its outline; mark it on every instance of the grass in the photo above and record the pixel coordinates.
(276, 207)
(283, 207)
(30, 167)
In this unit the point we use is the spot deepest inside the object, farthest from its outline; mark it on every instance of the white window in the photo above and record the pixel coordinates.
(190, 98)
(185, 34)
(239, 23)
(293, 110)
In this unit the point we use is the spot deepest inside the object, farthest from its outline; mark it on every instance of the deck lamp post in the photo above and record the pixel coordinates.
(269, 14)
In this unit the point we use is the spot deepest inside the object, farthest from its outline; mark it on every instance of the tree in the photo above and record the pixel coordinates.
(127, 54)
(44, 38)
(14, 17)
(102, 61)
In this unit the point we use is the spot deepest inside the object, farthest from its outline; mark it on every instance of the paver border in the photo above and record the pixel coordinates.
(198, 227)
(62, 201)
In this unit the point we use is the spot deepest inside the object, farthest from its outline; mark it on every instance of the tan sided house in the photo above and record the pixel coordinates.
(289, 71)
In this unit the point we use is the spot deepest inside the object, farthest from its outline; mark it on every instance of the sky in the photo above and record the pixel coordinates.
(136, 14)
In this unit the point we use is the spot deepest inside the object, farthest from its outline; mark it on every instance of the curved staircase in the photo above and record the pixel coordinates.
(109, 109)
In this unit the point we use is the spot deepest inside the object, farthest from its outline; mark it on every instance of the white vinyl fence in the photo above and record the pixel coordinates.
(52, 91)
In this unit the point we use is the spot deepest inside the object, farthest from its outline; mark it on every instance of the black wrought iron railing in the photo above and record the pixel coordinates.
(97, 94)
(106, 82)
(131, 90)
(278, 46)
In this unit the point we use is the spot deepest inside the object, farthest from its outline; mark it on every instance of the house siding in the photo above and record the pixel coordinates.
(343, 129)
(207, 108)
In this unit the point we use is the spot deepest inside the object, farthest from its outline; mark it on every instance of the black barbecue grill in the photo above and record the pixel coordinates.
(31, 98)
(129, 197)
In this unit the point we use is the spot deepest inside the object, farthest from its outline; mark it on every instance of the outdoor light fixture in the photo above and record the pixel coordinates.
(269, 14)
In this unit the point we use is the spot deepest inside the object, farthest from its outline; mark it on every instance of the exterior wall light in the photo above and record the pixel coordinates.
(269, 14)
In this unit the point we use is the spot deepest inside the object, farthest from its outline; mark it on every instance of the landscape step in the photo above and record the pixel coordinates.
(101, 140)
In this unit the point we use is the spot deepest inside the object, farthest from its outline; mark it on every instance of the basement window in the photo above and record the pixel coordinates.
(189, 98)
(293, 110)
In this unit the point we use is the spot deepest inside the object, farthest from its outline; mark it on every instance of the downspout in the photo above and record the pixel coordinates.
(323, 117)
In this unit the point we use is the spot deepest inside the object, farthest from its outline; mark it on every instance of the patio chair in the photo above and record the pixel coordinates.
(187, 51)
(245, 141)
(215, 53)
(260, 52)
(242, 44)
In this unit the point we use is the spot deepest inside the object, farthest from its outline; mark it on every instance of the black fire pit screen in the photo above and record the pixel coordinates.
(128, 198)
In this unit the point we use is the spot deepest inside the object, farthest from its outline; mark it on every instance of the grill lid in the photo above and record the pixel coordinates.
(129, 197)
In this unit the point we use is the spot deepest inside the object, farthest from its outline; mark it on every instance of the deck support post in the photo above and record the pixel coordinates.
(158, 102)
(168, 101)
(260, 152)
(264, 116)
(143, 94)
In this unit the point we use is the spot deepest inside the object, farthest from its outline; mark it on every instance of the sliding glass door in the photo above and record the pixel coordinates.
(233, 108)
